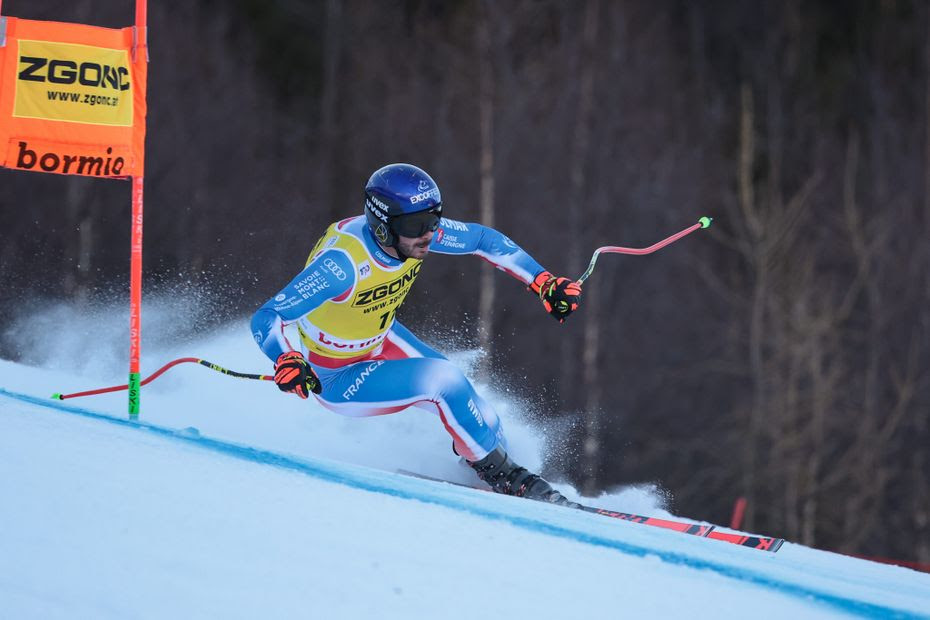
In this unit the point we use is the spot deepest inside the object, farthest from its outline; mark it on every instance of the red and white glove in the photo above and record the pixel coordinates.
(292, 373)
(560, 296)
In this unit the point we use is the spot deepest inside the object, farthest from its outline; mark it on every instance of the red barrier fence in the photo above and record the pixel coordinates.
(736, 520)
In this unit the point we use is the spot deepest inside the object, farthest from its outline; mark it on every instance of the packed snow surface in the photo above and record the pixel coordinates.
(228, 499)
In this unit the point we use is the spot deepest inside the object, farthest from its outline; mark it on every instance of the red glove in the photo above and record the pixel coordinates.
(560, 296)
(292, 373)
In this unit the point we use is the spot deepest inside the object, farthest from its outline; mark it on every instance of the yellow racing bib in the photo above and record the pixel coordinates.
(357, 322)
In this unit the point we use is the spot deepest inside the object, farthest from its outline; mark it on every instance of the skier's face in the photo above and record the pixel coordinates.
(415, 247)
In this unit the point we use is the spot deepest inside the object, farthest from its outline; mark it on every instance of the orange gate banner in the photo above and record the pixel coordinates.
(72, 99)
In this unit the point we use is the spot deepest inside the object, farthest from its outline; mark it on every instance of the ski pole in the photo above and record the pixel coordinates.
(704, 222)
(160, 371)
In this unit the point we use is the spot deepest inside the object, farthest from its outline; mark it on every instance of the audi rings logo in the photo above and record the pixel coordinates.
(331, 266)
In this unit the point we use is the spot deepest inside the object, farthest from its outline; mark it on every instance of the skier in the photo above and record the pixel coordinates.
(359, 360)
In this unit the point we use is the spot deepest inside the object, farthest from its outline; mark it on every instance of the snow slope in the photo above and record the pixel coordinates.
(231, 500)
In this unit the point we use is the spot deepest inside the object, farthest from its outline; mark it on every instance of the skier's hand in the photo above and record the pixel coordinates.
(560, 296)
(292, 373)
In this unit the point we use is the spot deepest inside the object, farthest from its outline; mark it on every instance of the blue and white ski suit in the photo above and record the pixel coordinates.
(344, 302)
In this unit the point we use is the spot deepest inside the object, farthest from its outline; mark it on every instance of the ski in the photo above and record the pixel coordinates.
(752, 541)
(695, 529)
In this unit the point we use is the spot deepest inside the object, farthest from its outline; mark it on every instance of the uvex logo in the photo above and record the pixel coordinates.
(377, 293)
(57, 71)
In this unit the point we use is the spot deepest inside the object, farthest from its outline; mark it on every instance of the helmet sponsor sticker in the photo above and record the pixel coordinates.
(73, 83)
(378, 208)
(432, 193)
(381, 232)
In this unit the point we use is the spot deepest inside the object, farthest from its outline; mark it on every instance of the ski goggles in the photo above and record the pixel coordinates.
(417, 224)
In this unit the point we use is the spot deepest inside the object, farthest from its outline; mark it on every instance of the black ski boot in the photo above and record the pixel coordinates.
(499, 471)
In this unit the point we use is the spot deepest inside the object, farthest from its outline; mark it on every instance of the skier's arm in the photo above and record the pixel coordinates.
(560, 296)
(328, 276)
(454, 237)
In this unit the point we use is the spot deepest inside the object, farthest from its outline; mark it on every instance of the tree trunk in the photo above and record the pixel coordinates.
(329, 146)
(488, 290)
(759, 295)
(79, 252)
(577, 219)
(920, 457)
(592, 382)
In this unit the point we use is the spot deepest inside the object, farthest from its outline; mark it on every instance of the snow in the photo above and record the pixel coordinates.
(229, 499)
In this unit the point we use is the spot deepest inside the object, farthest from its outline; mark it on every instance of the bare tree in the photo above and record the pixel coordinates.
(487, 292)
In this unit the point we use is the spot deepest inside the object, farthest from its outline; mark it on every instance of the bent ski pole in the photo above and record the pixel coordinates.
(704, 222)
(160, 371)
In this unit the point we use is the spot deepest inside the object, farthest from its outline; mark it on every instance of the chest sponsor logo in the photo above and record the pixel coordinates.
(383, 291)
(340, 344)
(364, 270)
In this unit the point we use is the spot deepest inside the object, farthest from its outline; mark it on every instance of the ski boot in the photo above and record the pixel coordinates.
(504, 476)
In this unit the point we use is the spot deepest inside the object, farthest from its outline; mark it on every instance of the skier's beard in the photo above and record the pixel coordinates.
(414, 247)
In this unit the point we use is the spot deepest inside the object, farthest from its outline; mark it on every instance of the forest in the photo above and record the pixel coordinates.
(782, 355)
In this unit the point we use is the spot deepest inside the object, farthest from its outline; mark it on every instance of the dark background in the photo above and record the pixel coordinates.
(782, 355)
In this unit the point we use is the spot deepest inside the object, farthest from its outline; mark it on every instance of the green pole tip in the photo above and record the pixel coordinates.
(705, 221)
(57, 396)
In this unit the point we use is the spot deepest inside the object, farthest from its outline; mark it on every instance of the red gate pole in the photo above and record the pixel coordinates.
(135, 298)
(135, 266)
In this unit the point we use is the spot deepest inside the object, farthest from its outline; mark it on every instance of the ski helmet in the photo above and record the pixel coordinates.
(401, 200)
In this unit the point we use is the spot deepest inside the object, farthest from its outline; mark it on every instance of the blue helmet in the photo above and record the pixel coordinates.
(401, 200)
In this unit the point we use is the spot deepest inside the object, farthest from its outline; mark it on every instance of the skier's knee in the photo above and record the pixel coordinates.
(446, 378)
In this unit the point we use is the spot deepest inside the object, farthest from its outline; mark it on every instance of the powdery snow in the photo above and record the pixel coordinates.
(105, 519)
